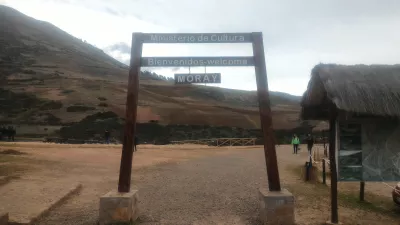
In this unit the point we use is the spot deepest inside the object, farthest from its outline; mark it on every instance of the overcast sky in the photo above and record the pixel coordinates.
(297, 34)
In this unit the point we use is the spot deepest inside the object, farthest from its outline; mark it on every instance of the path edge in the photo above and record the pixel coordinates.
(73, 191)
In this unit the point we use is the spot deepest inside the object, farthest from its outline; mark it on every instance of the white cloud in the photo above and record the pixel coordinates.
(297, 34)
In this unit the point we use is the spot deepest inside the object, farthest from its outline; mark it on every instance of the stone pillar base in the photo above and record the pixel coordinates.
(3, 218)
(330, 223)
(118, 207)
(277, 207)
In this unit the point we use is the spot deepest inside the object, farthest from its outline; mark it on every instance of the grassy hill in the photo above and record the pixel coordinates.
(48, 77)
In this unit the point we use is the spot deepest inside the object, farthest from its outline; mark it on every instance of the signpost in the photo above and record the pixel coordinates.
(198, 38)
(196, 61)
(197, 78)
(258, 60)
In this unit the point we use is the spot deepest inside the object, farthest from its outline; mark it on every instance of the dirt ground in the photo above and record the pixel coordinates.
(191, 184)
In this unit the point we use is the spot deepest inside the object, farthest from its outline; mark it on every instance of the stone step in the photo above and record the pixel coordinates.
(27, 199)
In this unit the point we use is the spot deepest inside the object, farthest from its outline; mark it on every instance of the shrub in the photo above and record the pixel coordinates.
(103, 104)
(29, 72)
(67, 91)
(52, 120)
(79, 108)
(51, 105)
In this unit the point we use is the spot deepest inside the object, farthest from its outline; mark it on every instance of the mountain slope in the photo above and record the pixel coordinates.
(42, 62)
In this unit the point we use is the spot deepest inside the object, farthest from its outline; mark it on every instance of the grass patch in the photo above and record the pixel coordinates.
(9, 165)
(7, 179)
(12, 163)
(350, 199)
(11, 152)
(373, 203)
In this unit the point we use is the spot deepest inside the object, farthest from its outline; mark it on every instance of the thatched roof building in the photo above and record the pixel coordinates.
(365, 90)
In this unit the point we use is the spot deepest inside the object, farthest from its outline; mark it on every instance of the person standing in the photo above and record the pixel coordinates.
(107, 136)
(13, 133)
(2, 132)
(295, 143)
(310, 143)
(9, 133)
(135, 141)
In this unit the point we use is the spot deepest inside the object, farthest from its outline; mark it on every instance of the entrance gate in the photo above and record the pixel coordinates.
(257, 60)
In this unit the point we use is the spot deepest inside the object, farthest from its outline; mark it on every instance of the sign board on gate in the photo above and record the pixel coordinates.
(197, 78)
(197, 38)
(196, 61)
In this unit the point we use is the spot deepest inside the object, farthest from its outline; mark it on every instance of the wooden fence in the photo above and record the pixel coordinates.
(220, 141)
(320, 153)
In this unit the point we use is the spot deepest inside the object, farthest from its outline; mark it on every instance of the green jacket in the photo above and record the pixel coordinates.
(295, 141)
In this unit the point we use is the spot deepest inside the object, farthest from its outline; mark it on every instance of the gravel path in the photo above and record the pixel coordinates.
(215, 188)
(212, 190)
(218, 189)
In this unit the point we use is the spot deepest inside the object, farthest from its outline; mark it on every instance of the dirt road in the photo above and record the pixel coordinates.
(185, 184)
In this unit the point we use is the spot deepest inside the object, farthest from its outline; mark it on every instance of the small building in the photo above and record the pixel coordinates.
(362, 104)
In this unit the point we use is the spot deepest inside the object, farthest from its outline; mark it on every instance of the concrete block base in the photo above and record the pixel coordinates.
(3, 218)
(330, 223)
(277, 207)
(118, 207)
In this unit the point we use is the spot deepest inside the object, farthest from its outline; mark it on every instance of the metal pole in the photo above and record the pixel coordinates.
(332, 159)
(124, 183)
(265, 112)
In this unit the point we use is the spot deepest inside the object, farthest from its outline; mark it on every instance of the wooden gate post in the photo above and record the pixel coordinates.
(332, 159)
(265, 112)
(124, 183)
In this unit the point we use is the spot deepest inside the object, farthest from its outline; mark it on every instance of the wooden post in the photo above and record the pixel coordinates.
(332, 159)
(362, 191)
(323, 171)
(265, 112)
(324, 139)
(124, 183)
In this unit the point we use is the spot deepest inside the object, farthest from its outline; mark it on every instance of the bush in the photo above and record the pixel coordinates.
(67, 91)
(29, 72)
(52, 120)
(51, 105)
(101, 98)
(103, 104)
(80, 108)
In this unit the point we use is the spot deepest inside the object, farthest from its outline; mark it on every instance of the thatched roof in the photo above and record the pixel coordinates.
(368, 90)
(321, 126)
